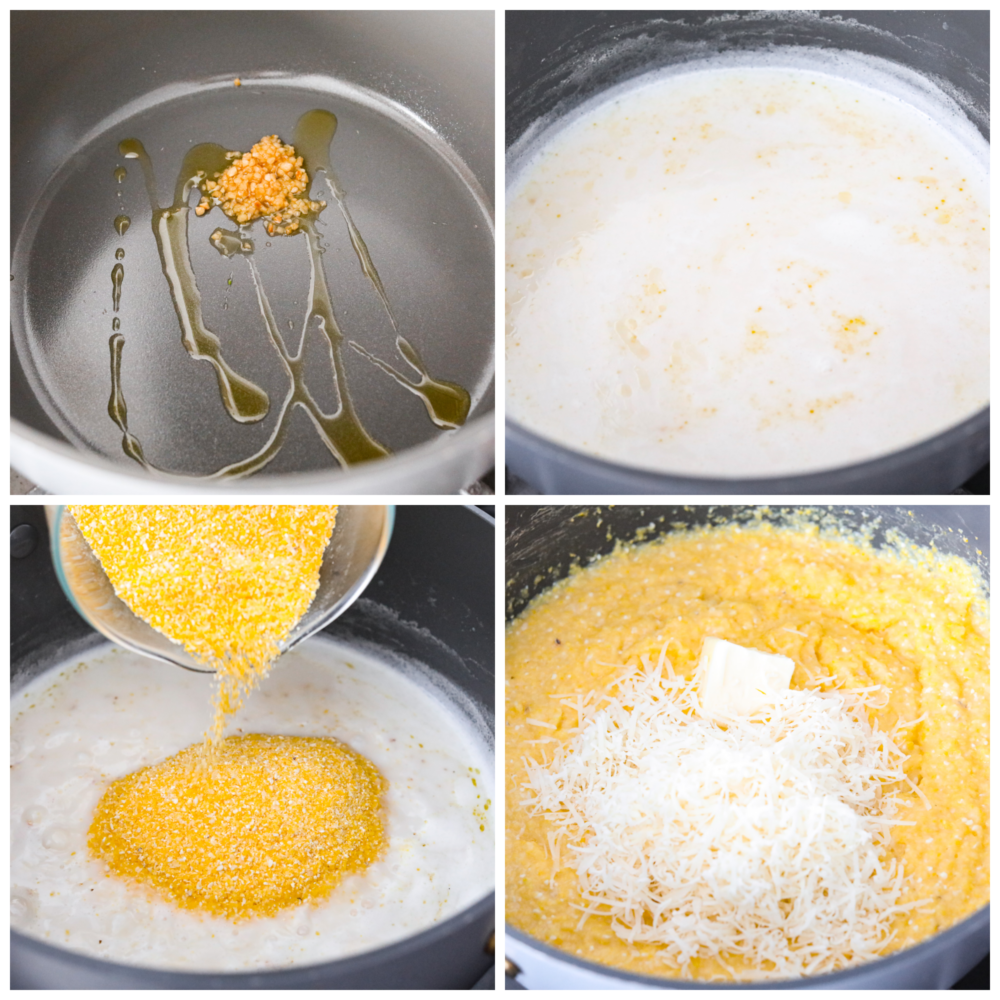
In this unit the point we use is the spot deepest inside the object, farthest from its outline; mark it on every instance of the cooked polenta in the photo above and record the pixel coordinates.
(905, 628)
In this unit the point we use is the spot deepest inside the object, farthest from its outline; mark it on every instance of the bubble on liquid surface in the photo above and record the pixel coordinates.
(23, 903)
(55, 839)
(33, 815)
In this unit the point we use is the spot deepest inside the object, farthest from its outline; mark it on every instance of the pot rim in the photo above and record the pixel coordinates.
(830, 480)
(943, 941)
(475, 434)
(288, 977)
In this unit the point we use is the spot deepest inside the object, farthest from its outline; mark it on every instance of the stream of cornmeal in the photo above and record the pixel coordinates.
(343, 432)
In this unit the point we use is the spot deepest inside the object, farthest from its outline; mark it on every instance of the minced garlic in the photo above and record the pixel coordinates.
(267, 181)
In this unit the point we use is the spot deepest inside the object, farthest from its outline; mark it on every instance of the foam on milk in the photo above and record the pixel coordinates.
(750, 266)
(94, 719)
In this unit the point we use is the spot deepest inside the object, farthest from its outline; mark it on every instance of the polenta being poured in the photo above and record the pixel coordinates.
(266, 823)
(249, 825)
(229, 583)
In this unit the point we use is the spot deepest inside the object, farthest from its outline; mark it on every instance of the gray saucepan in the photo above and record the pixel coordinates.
(432, 600)
(556, 60)
(354, 391)
(544, 543)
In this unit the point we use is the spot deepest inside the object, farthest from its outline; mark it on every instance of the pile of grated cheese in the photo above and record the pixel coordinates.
(761, 844)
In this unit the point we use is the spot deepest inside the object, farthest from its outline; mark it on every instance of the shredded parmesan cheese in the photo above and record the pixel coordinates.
(763, 842)
(538, 722)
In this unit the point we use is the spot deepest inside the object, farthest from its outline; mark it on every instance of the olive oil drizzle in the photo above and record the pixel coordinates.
(447, 403)
(244, 401)
(314, 133)
(116, 404)
(342, 432)
(229, 244)
(343, 427)
(117, 277)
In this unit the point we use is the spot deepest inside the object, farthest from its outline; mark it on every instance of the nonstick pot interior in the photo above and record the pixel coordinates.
(413, 153)
(432, 602)
(543, 545)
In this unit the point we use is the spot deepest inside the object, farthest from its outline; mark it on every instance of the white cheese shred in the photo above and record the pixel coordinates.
(763, 842)
(538, 722)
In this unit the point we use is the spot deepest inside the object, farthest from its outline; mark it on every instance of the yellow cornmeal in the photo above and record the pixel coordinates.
(918, 625)
(228, 583)
(271, 822)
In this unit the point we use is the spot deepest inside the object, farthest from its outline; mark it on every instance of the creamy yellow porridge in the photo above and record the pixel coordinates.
(906, 631)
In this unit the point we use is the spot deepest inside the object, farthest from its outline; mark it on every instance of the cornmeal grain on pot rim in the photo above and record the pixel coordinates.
(267, 181)
(913, 626)
(228, 583)
(267, 823)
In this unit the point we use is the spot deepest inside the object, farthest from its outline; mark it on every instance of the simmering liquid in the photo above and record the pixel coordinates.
(749, 270)
(94, 719)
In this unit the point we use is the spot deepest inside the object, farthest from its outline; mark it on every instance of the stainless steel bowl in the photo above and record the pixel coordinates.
(351, 559)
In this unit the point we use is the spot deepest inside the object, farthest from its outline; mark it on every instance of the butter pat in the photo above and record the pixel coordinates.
(734, 680)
